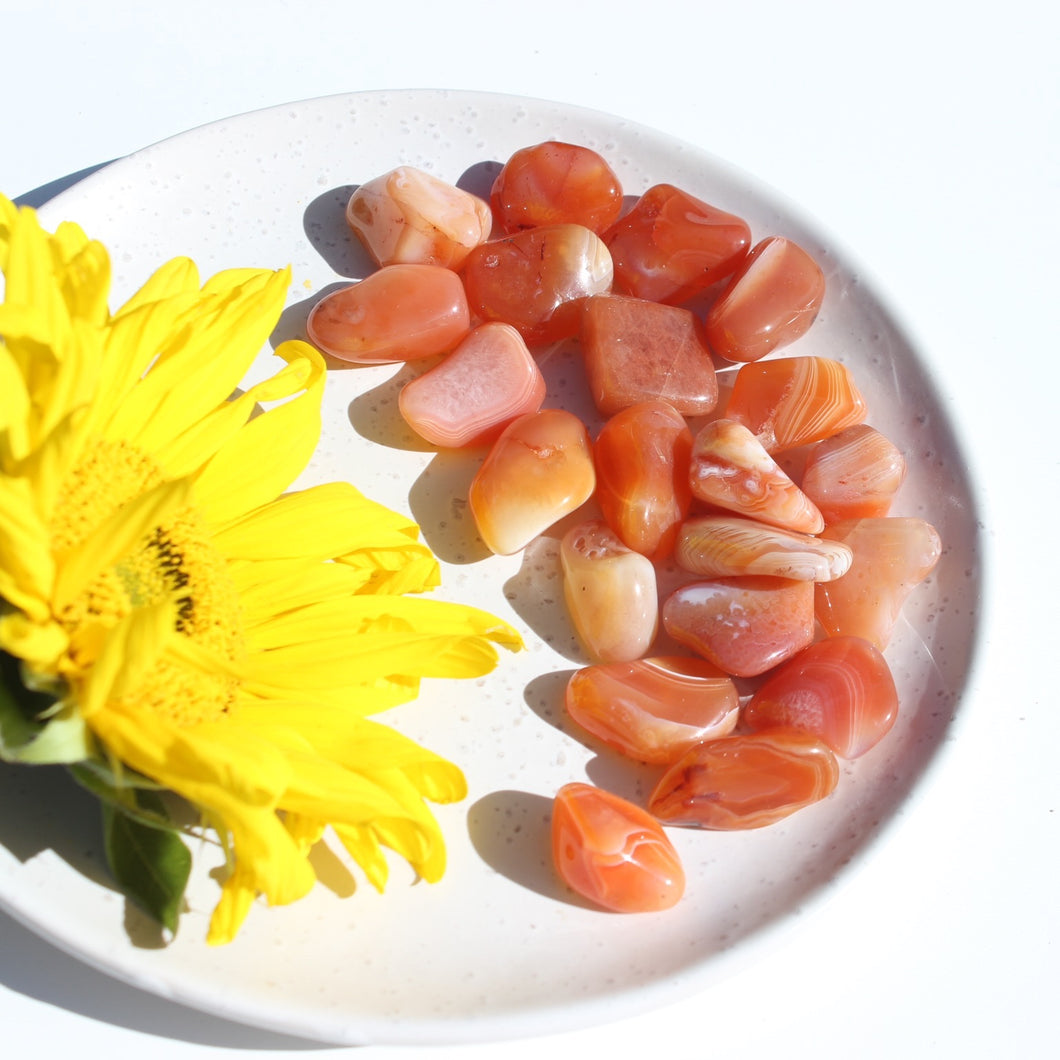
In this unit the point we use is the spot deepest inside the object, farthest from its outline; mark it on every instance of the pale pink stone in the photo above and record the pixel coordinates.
(409, 216)
(488, 381)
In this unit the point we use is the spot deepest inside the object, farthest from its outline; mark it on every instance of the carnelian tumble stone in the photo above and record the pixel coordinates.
(400, 313)
(636, 350)
(641, 457)
(791, 401)
(746, 781)
(555, 183)
(488, 381)
(743, 625)
(771, 300)
(538, 470)
(536, 280)
(612, 852)
(840, 690)
(653, 709)
(671, 245)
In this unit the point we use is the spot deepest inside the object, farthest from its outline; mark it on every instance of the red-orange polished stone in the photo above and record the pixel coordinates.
(612, 852)
(746, 781)
(671, 245)
(642, 485)
(771, 300)
(840, 690)
(744, 625)
(636, 350)
(399, 313)
(555, 183)
(536, 280)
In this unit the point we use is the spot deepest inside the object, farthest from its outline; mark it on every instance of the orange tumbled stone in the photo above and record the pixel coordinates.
(410, 216)
(641, 457)
(653, 709)
(537, 280)
(610, 592)
(538, 470)
(791, 401)
(743, 625)
(891, 557)
(636, 350)
(840, 690)
(854, 474)
(671, 245)
(772, 299)
(725, 545)
(400, 313)
(746, 781)
(730, 468)
(612, 852)
(555, 183)
(488, 381)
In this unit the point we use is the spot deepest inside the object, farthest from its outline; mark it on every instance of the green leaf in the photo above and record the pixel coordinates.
(149, 862)
(35, 726)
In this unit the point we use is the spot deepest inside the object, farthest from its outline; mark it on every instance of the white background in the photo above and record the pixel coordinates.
(925, 136)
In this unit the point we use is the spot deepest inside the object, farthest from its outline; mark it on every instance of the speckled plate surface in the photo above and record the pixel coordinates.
(498, 948)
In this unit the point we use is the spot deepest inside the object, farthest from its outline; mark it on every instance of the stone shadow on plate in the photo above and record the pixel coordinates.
(512, 832)
(324, 223)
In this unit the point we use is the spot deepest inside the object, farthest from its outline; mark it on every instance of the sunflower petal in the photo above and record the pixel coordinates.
(188, 451)
(277, 444)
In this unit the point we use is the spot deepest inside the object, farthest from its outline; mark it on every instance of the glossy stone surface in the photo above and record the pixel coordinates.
(653, 709)
(637, 350)
(400, 313)
(672, 245)
(641, 457)
(772, 299)
(612, 852)
(555, 183)
(791, 401)
(410, 216)
(538, 470)
(610, 591)
(726, 545)
(536, 280)
(746, 781)
(840, 690)
(730, 468)
(891, 557)
(489, 380)
(854, 475)
(744, 626)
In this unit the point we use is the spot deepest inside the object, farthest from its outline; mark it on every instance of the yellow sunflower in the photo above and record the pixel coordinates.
(170, 617)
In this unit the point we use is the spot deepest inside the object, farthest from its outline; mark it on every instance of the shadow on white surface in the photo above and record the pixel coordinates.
(38, 970)
(39, 196)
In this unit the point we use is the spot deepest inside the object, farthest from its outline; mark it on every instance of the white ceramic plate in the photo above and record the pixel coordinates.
(498, 948)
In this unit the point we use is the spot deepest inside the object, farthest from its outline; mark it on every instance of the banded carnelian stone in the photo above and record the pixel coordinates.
(641, 456)
(840, 690)
(744, 625)
(654, 709)
(746, 781)
(613, 852)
